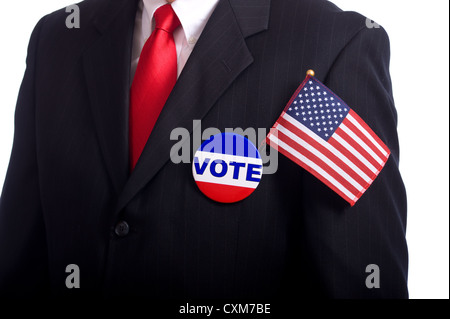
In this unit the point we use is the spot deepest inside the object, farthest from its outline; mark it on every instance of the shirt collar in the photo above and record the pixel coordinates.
(193, 14)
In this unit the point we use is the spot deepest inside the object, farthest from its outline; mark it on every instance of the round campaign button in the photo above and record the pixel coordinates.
(227, 168)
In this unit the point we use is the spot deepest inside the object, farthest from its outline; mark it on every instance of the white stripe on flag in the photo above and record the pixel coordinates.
(317, 153)
(352, 150)
(328, 146)
(361, 143)
(367, 134)
(313, 166)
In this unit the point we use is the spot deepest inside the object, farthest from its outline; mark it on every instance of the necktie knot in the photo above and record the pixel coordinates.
(166, 19)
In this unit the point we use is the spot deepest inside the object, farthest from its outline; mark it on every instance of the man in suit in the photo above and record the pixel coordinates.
(138, 225)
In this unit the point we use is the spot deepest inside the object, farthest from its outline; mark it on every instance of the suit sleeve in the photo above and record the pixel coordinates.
(346, 240)
(23, 249)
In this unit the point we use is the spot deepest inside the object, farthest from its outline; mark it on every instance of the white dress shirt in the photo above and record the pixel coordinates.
(193, 15)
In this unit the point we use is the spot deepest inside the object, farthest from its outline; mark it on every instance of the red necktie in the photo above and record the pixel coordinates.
(155, 77)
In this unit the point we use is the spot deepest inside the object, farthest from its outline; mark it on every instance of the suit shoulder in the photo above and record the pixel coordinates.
(56, 28)
(320, 15)
(59, 33)
(324, 9)
(88, 10)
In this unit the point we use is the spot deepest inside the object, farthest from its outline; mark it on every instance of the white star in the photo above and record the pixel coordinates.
(328, 111)
(310, 118)
(326, 135)
(339, 104)
(310, 82)
(319, 130)
(306, 95)
(311, 88)
(301, 102)
(305, 89)
(332, 98)
(317, 117)
(325, 129)
(312, 94)
(303, 113)
(317, 87)
(296, 108)
(336, 122)
(290, 109)
(318, 93)
(312, 124)
(324, 93)
(309, 112)
(295, 102)
(305, 119)
(297, 114)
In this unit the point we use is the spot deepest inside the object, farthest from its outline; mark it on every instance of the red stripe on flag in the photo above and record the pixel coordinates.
(370, 131)
(358, 148)
(352, 158)
(364, 138)
(283, 151)
(316, 160)
(327, 153)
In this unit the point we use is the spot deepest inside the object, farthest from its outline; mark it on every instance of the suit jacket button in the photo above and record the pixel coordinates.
(122, 229)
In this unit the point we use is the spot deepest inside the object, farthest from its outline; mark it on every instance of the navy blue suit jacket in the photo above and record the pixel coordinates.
(68, 184)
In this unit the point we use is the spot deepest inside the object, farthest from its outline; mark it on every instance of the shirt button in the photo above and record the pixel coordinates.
(192, 40)
(122, 229)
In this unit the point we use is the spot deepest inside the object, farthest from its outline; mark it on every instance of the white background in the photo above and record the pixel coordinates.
(419, 33)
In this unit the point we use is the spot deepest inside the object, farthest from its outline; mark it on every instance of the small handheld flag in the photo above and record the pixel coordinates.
(319, 132)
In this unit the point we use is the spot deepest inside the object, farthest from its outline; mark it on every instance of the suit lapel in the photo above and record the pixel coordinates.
(107, 70)
(220, 55)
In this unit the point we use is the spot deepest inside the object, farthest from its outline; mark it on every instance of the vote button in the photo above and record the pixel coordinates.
(227, 168)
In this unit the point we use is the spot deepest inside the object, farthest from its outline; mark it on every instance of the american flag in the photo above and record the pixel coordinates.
(319, 132)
